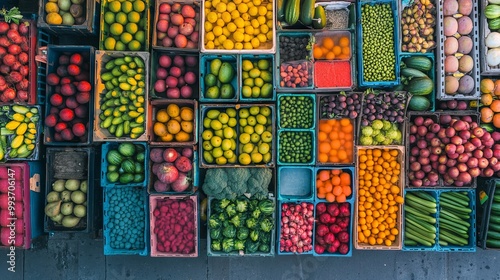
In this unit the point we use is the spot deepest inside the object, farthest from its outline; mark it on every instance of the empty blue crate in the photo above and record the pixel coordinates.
(295, 182)
(471, 240)
(419, 247)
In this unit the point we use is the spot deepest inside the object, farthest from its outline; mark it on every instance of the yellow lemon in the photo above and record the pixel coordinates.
(262, 11)
(217, 43)
(221, 7)
(244, 159)
(126, 7)
(262, 19)
(270, 35)
(248, 38)
(255, 43)
(120, 46)
(243, 8)
(210, 36)
(269, 15)
(255, 23)
(238, 36)
(212, 17)
(247, 46)
(249, 29)
(269, 24)
(226, 17)
(228, 44)
(208, 26)
(238, 46)
(222, 38)
(253, 11)
(262, 38)
(269, 6)
(115, 6)
(210, 45)
(217, 31)
(264, 29)
(235, 14)
(215, 2)
(139, 6)
(116, 29)
(208, 5)
(237, 2)
(51, 7)
(231, 27)
(230, 7)
(220, 22)
(134, 17)
(109, 43)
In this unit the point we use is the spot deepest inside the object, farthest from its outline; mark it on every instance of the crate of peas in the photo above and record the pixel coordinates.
(296, 111)
(126, 221)
(296, 147)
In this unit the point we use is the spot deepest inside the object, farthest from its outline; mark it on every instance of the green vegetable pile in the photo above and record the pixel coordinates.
(241, 225)
(125, 164)
(126, 218)
(231, 183)
(379, 59)
(295, 147)
(381, 132)
(296, 112)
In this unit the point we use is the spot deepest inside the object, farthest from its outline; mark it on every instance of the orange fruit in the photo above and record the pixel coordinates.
(486, 99)
(330, 55)
(487, 86)
(497, 88)
(495, 106)
(486, 115)
(173, 127)
(186, 114)
(344, 41)
(337, 50)
(317, 52)
(328, 43)
(162, 116)
(160, 129)
(496, 120)
(323, 175)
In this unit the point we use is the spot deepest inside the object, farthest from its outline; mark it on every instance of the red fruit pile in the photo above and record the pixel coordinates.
(69, 98)
(174, 226)
(11, 206)
(296, 227)
(172, 169)
(177, 76)
(14, 58)
(332, 228)
(177, 26)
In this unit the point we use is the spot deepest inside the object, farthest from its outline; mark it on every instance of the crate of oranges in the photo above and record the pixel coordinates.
(334, 184)
(173, 122)
(379, 197)
(335, 141)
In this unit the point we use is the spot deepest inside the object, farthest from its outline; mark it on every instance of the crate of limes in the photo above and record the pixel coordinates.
(124, 25)
(237, 135)
(257, 83)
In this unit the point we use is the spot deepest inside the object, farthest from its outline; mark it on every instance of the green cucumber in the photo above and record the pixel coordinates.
(425, 196)
(429, 237)
(444, 220)
(494, 227)
(456, 230)
(420, 207)
(453, 238)
(409, 242)
(420, 63)
(420, 215)
(461, 196)
(418, 239)
(464, 210)
(492, 243)
(428, 204)
(493, 234)
(453, 200)
(423, 226)
(280, 10)
(307, 12)
(292, 11)
(495, 207)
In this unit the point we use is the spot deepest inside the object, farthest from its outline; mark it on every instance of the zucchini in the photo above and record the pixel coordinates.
(419, 214)
(427, 204)
(420, 86)
(307, 12)
(413, 73)
(280, 9)
(292, 11)
(421, 63)
(492, 243)
(494, 227)
(319, 20)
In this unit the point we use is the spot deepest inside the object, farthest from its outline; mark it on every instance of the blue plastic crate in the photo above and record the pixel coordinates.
(107, 204)
(106, 147)
(205, 69)
(431, 73)
(348, 169)
(85, 225)
(203, 112)
(195, 173)
(37, 197)
(361, 80)
(155, 55)
(87, 28)
(295, 182)
(254, 58)
(350, 231)
(271, 253)
(313, 146)
(306, 95)
(278, 223)
(43, 40)
(434, 194)
(53, 54)
(471, 247)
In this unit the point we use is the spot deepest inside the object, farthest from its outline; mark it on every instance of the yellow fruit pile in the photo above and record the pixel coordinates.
(238, 24)
(174, 124)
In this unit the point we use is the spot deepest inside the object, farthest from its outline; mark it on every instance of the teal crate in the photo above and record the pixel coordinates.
(205, 69)
(43, 40)
(53, 54)
(254, 58)
(361, 80)
(419, 247)
(112, 213)
(349, 231)
(486, 189)
(153, 201)
(279, 62)
(194, 174)
(37, 197)
(278, 234)
(472, 242)
(295, 182)
(348, 169)
(155, 56)
(106, 147)
(294, 132)
(222, 107)
(311, 97)
(88, 172)
(431, 74)
(271, 253)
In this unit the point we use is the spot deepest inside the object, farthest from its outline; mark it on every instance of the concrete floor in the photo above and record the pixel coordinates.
(80, 257)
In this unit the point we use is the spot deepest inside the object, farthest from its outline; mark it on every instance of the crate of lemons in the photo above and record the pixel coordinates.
(238, 24)
(124, 25)
(238, 136)
(174, 123)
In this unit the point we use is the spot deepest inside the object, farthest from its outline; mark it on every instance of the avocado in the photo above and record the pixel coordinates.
(226, 73)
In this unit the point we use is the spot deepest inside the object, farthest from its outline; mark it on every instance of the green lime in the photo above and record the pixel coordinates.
(116, 29)
(134, 45)
(263, 64)
(140, 36)
(115, 6)
(121, 18)
(139, 6)
(109, 17)
(134, 17)
(131, 28)
(120, 46)
(126, 37)
(126, 7)
(246, 91)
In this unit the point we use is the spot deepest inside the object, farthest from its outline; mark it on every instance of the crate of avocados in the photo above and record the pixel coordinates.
(126, 221)
(124, 25)
(20, 132)
(121, 96)
(68, 17)
(69, 108)
(70, 188)
(241, 227)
